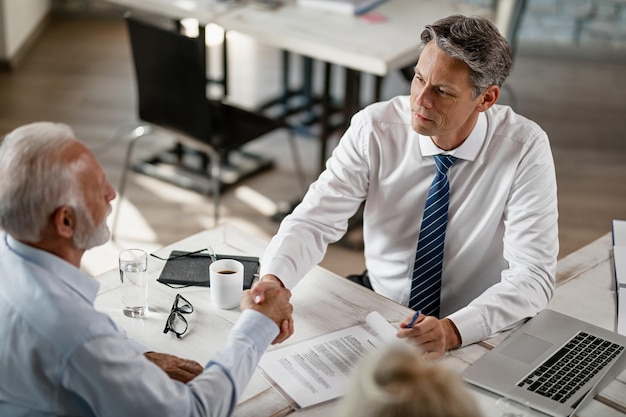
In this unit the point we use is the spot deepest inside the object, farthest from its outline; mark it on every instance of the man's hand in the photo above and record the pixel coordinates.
(183, 370)
(265, 283)
(270, 298)
(433, 336)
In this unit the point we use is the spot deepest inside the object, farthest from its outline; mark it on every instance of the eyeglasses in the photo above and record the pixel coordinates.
(208, 249)
(176, 321)
(176, 256)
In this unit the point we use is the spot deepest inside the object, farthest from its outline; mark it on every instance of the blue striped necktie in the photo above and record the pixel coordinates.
(426, 281)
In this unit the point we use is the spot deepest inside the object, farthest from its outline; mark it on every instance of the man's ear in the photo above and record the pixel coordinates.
(64, 221)
(488, 98)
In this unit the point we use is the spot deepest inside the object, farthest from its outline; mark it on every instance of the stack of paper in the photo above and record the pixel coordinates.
(619, 259)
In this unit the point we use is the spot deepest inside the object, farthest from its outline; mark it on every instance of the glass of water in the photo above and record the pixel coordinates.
(134, 289)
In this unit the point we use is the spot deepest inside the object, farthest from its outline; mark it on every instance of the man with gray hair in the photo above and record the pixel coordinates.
(484, 172)
(61, 357)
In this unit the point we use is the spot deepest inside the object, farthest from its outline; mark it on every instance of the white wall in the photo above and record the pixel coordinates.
(19, 19)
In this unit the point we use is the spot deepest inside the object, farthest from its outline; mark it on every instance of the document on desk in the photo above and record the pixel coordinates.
(318, 370)
(619, 264)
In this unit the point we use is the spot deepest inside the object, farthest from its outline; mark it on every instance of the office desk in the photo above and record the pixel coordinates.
(324, 302)
(333, 302)
(347, 41)
(204, 10)
(350, 42)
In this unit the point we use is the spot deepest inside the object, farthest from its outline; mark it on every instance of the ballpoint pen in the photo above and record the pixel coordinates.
(413, 320)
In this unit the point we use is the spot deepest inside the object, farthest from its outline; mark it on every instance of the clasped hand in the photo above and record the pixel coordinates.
(272, 299)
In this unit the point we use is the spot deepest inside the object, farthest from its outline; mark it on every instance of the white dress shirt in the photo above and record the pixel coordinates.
(61, 357)
(502, 237)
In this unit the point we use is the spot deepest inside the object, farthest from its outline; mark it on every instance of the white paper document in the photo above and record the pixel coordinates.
(619, 232)
(318, 369)
(619, 265)
(621, 311)
(619, 258)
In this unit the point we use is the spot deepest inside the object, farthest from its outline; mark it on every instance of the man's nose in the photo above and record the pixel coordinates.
(111, 194)
(423, 99)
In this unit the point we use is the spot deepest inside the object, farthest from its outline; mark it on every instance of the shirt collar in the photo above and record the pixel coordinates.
(67, 273)
(468, 150)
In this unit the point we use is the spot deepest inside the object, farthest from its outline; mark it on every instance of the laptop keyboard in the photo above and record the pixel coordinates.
(562, 374)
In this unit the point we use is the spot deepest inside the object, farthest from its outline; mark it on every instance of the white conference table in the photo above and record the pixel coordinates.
(203, 10)
(324, 302)
(354, 43)
(348, 41)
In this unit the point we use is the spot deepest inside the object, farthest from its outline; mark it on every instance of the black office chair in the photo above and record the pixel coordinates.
(171, 75)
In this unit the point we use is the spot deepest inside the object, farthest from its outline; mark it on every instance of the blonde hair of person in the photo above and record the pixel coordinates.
(394, 381)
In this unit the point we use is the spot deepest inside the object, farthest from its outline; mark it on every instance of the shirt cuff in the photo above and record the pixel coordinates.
(470, 325)
(258, 327)
(280, 270)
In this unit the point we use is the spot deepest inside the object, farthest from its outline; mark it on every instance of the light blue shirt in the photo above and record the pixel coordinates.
(502, 236)
(61, 357)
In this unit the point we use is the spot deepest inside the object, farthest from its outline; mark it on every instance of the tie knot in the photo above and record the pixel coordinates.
(444, 162)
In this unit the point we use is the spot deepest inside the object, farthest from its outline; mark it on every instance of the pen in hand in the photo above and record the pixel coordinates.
(413, 320)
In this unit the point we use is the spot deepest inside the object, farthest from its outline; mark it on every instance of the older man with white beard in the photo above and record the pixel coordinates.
(60, 356)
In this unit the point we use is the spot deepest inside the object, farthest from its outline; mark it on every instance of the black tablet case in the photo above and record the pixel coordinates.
(194, 269)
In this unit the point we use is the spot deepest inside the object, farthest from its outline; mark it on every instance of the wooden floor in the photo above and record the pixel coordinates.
(80, 73)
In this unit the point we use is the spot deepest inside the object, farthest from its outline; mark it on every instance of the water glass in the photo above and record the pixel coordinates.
(133, 267)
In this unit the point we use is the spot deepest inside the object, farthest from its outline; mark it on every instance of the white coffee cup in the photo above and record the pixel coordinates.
(133, 264)
(226, 281)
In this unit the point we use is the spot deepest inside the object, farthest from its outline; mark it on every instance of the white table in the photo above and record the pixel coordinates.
(354, 43)
(203, 10)
(349, 42)
(209, 326)
(324, 302)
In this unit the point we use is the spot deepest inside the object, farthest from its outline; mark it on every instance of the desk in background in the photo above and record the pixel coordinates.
(324, 302)
(205, 11)
(350, 42)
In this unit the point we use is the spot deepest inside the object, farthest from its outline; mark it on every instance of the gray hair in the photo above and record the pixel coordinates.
(35, 180)
(477, 42)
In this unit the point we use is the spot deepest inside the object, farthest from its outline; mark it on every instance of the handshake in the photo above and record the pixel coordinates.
(269, 297)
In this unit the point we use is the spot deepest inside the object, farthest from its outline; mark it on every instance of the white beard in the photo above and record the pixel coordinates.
(87, 235)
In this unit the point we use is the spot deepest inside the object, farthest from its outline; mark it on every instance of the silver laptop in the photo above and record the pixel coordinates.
(555, 362)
